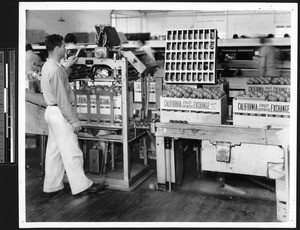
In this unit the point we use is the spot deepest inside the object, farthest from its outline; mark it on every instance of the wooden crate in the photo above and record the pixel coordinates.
(138, 92)
(194, 110)
(281, 199)
(282, 212)
(98, 107)
(281, 193)
(267, 88)
(108, 107)
(81, 104)
(223, 86)
(258, 114)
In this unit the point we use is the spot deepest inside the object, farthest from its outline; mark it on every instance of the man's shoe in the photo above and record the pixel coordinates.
(93, 188)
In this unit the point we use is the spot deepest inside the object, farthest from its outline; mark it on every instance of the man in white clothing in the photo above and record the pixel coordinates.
(62, 152)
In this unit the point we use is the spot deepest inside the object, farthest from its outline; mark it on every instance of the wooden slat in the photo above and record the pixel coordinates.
(251, 42)
(35, 122)
(35, 98)
(247, 64)
(237, 82)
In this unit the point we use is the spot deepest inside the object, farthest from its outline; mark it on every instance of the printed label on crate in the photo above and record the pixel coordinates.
(268, 88)
(190, 104)
(81, 103)
(262, 107)
(93, 104)
(138, 96)
(138, 86)
(138, 92)
(104, 102)
(117, 105)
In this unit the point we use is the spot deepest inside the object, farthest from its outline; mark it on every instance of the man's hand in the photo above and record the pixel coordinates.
(77, 126)
(70, 61)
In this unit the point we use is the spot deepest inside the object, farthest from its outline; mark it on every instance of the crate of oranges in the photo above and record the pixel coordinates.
(259, 109)
(193, 105)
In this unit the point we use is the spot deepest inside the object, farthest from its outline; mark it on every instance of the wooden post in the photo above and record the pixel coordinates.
(287, 178)
(43, 153)
(112, 155)
(145, 150)
(125, 121)
(197, 150)
(143, 95)
(160, 160)
(159, 74)
(178, 148)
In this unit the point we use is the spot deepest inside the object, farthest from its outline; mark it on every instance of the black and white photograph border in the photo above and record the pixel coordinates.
(25, 7)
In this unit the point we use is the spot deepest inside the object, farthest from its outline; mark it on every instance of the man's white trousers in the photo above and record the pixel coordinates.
(63, 154)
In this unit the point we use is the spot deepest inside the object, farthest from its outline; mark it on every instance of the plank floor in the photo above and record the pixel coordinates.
(195, 201)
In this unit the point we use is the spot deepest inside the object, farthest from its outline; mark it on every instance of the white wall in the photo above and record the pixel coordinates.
(75, 20)
(253, 23)
(250, 23)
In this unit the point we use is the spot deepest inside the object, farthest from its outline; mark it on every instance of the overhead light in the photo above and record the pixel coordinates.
(61, 18)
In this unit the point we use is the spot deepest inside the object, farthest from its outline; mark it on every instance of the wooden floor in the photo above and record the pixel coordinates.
(195, 201)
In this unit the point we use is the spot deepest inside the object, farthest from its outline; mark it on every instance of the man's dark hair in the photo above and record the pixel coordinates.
(52, 41)
(70, 38)
(28, 47)
(143, 41)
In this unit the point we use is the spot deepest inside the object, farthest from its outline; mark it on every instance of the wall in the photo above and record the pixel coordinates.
(249, 23)
(75, 20)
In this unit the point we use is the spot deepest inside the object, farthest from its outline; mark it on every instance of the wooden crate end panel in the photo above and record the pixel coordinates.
(281, 193)
(268, 88)
(282, 212)
(259, 122)
(261, 107)
(206, 118)
(189, 104)
(35, 121)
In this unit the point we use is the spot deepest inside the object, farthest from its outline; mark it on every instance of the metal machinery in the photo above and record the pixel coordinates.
(219, 147)
(110, 65)
(111, 129)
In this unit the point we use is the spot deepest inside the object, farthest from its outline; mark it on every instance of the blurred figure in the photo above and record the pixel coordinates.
(146, 48)
(33, 61)
(70, 41)
(268, 59)
(72, 47)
